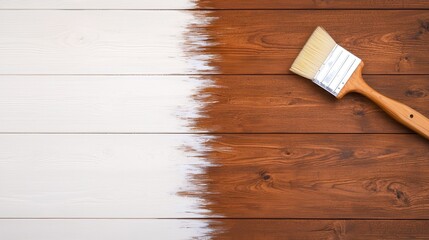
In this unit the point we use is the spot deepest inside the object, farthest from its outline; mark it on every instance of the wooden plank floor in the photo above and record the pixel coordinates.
(215, 4)
(179, 119)
(198, 103)
(191, 42)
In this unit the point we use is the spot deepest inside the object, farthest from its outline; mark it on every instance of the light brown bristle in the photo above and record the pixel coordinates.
(313, 54)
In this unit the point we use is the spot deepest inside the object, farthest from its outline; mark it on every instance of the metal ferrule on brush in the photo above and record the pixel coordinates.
(336, 70)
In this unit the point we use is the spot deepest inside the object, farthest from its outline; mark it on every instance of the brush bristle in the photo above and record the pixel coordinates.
(314, 53)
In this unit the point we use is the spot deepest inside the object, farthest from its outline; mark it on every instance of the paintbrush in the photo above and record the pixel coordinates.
(339, 72)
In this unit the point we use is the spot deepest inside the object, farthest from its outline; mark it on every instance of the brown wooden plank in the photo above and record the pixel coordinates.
(199, 42)
(312, 4)
(352, 176)
(320, 229)
(294, 104)
(215, 4)
(136, 229)
(266, 42)
(216, 104)
(316, 176)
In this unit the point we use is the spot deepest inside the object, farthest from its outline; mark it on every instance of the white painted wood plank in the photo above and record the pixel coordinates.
(100, 103)
(101, 176)
(97, 4)
(102, 42)
(106, 229)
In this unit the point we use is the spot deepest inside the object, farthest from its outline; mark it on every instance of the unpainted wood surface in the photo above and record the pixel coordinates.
(226, 175)
(184, 42)
(186, 104)
(214, 4)
(182, 229)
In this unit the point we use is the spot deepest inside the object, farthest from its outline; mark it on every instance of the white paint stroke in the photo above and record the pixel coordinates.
(106, 229)
(104, 42)
(97, 4)
(102, 176)
(101, 103)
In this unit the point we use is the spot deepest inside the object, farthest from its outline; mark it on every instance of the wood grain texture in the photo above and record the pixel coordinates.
(320, 229)
(402, 113)
(296, 105)
(187, 104)
(312, 4)
(214, 4)
(337, 176)
(232, 182)
(267, 42)
(184, 42)
(227, 175)
(137, 229)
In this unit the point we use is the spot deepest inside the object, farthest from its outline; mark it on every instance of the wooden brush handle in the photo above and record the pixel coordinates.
(401, 112)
